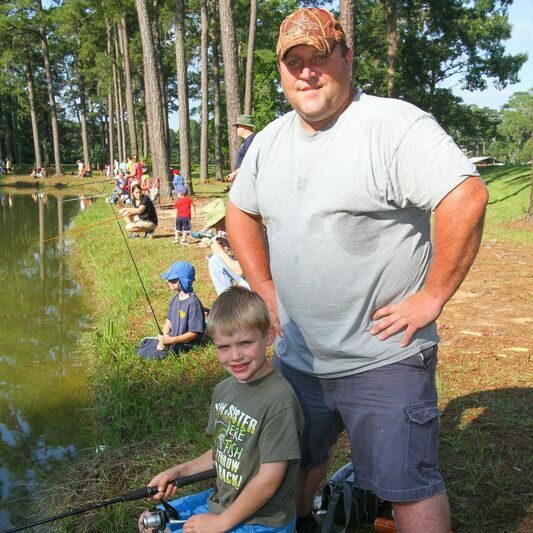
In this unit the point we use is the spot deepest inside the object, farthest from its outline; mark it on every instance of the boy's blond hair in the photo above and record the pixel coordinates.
(238, 309)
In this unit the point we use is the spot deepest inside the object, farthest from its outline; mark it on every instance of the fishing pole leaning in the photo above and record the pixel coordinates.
(135, 265)
(79, 229)
(138, 494)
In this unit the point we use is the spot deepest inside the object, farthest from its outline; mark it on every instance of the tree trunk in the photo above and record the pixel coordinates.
(154, 101)
(110, 128)
(110, 121)
(17, 138)
(249, 91)
(145, 138)
(33, 112)
(347, 20)
(183, 95)
(392, 45)
(144, 121)
(122, 138)
(121, 154)
(128, 88)
(231, 74)
(51, 97)
(204, 133)
(83, 112)
(217, 99)
(8, 138)
(161, 78)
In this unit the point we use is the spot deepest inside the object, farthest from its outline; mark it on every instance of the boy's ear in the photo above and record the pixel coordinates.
(270, 336)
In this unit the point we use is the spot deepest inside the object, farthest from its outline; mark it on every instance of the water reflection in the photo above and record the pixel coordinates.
(43, 398)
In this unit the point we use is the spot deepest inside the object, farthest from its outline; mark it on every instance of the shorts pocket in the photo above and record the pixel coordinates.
(423, 434)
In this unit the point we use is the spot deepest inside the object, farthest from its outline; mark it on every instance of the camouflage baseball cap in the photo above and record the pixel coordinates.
(312, 26)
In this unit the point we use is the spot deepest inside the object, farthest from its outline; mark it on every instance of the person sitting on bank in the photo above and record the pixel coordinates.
(255, 423)
(142, 216)
(224, 269)
(39, 172)
(185, 323)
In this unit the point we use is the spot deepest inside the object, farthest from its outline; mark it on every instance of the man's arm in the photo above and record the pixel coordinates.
(247, 239)
(256, 493)
(458, 229)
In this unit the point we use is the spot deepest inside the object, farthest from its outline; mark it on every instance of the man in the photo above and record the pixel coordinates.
(245, 130)
(346, 184)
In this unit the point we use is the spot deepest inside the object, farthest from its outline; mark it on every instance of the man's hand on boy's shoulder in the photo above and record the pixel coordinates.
(204, 523)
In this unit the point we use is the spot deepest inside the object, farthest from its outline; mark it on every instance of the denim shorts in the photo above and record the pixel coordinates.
(197, 504)
(183, 224)
(392, 420)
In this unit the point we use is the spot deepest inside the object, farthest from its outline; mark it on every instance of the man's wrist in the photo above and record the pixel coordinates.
(437, 295)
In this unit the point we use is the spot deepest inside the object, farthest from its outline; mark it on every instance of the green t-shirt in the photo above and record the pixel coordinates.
(255, 423)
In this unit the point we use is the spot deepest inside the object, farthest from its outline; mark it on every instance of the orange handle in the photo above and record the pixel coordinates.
(384, 525)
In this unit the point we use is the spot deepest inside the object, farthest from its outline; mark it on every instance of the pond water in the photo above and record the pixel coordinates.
(44, 403)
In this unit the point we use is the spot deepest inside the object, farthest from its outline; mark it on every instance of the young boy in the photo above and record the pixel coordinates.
(183, 207)
(255, 420)
(185, 323)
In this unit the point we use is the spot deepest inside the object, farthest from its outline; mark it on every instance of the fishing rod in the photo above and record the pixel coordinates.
(138, 494)
(79, 229)
(135, 266)
(84, 198)
(61, 186)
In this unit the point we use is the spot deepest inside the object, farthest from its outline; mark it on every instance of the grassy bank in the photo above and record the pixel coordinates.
(153, 413)
(510, 189)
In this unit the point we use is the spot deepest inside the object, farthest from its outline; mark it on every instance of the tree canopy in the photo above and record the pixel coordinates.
(98, 86)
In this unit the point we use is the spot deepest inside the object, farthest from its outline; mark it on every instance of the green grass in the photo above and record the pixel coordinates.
(509, 190)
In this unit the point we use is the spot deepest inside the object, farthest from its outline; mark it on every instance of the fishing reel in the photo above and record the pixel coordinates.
(158, 519)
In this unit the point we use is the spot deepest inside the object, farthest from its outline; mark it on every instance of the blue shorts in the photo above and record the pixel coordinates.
(183, 224)
(197, 504)
(392, 420)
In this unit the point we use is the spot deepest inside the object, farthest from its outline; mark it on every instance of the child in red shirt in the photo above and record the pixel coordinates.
(183, 207)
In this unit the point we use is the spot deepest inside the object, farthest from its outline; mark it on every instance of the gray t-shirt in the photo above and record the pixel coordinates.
(347, 211)
(255, 423)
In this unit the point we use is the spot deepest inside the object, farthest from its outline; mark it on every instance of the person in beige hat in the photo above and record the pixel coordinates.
(224, 269)
(245, 130)
(346, 183)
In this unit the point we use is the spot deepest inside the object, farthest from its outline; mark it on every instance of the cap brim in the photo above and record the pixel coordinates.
(165, 275)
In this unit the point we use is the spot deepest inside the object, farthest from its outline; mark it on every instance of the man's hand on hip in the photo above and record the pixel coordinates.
(411, 314)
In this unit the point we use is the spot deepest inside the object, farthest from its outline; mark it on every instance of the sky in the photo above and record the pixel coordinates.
(521, 19)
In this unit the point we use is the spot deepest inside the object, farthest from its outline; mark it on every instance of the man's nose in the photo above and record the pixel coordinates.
(308, 72)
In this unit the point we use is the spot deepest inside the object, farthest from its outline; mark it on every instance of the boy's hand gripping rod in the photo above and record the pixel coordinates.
(144, 492)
